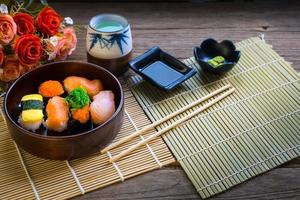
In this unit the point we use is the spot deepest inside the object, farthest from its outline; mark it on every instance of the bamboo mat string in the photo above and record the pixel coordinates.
(213, 82)
(142, 138)
(36, 194)
(116, 167)
(2, 95)
(262, 37)
(75, 177)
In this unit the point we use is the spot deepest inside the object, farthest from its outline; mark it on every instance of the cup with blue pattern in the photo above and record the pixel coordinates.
(109, 42)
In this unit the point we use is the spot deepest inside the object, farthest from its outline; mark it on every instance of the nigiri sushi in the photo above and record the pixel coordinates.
(93, 87)
(79, 101)
(57, 111)
(102, 107)
(32, 111)
(51, 88)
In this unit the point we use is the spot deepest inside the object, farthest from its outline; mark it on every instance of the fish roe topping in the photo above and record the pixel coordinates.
(51, 89)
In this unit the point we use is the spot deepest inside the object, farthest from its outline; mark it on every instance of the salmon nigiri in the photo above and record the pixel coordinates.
(93, 87)
(102, 107)
(58, 114)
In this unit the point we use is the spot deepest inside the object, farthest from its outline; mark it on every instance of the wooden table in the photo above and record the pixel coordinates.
(177, 28)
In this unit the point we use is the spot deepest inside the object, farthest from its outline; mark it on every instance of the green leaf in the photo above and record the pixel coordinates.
(44, 2)
(6, 2)
(27, 3)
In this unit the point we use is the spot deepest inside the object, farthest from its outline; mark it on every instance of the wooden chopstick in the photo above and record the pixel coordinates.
(166, 129)
(154, 124)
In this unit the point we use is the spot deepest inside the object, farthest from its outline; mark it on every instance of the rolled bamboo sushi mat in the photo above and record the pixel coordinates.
(24, 176)
(250, 132)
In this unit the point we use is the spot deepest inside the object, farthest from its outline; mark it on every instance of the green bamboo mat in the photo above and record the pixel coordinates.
(246, 134)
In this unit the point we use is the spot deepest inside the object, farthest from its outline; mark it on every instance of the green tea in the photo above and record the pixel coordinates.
(109, 26)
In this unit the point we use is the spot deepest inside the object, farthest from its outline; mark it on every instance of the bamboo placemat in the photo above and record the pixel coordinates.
(24, 176)
(248, 133)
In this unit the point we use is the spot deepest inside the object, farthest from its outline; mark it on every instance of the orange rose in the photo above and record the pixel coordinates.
(48, 21)
(11, 69)
(8, 29)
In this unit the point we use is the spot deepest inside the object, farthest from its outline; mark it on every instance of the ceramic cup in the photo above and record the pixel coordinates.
(109, 42)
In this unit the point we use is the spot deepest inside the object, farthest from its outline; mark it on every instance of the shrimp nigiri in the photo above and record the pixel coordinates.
(102, 107)
(93, 87)
(58, 114)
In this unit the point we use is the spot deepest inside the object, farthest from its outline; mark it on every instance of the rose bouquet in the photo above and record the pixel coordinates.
(29, 38)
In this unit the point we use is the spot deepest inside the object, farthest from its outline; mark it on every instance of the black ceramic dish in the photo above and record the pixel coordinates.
(161, 69)
(210, 48)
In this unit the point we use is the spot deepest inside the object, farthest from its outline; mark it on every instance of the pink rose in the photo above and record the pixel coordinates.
(62, 45)
(8, 29)
(62, 49)
(69, 33)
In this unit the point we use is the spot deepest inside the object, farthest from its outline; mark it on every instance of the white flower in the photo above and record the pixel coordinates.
(52, 56)
(3, 9)
(69, 21)
(54, 40)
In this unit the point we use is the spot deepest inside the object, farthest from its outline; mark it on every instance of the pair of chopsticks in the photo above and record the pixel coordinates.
(171, 126)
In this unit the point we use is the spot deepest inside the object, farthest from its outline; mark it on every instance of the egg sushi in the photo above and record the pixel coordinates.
(32, 111)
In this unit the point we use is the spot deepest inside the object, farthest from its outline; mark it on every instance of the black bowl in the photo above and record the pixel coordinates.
(210, 48)
(63, 147)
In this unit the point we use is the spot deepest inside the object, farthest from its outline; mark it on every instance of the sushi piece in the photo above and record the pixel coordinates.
(51, 89)
(57, 111)
(32, 111)
(102, 107)
(82, 114)
(79, 101)
(92, 87)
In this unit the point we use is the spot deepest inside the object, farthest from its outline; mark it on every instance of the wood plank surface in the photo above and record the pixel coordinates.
(177, 28)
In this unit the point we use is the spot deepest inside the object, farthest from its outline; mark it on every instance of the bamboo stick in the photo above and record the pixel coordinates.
(132, 148)
(154, 124)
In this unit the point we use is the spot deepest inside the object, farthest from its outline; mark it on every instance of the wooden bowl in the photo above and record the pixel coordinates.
(65, 147)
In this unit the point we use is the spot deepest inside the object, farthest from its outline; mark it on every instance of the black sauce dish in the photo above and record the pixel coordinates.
(161, 69)
(210, 49)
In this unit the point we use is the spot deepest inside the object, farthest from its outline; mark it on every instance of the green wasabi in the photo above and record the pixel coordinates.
(216, 61)
(78, 98)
